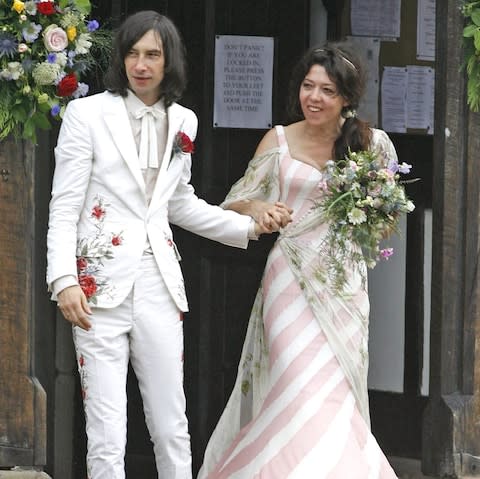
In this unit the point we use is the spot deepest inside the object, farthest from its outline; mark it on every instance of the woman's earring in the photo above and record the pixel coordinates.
(348, 112)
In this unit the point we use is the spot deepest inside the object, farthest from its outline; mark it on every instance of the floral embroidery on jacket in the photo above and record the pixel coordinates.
(93, 251)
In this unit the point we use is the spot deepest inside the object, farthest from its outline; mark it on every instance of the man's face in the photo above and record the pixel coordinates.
(144, 66)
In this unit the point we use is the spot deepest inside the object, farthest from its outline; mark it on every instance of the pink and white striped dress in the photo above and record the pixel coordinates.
(299, 408)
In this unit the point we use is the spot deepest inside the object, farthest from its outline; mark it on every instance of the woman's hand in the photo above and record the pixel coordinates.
(270, 217)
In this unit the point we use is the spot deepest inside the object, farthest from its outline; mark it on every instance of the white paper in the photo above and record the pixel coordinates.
(426, 30)
(243, 82)
(394, 96)
(368, 50)
(376, 18)
(420, 97)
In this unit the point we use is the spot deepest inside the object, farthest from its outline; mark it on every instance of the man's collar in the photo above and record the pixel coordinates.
(134, 103)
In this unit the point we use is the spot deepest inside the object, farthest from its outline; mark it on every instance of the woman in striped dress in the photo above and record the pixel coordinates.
(299, 408)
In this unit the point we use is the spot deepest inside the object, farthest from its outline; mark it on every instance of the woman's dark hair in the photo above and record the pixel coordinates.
(131, 30)
(344, 69)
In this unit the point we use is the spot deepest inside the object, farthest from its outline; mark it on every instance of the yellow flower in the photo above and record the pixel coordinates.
(72, 33)
(18, 6)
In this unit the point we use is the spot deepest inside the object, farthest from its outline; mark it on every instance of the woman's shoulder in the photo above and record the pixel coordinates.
(268, 143)
(275, 138)
(379, 136)
(381, 143)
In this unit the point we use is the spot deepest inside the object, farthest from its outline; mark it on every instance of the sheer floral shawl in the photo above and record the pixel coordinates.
(343, 319)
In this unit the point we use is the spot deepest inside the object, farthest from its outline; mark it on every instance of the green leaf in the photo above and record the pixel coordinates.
(41, 121)
(83, 6)
(19, 113)
(476, 17)
(29, 131)
(469, 31)
(476, 40)
(44, 107)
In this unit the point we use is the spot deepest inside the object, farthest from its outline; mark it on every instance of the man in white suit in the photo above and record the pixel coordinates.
(122, 175)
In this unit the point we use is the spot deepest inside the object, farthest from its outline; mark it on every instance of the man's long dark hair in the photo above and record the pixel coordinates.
(131, 30)
(344, 69)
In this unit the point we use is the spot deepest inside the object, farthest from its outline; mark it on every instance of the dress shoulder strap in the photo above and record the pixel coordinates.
(281, 138)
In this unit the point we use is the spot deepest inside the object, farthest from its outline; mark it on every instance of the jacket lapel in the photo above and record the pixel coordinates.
(116, 119)
(174, 125)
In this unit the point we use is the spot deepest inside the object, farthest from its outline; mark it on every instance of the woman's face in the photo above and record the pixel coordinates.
(320, 101)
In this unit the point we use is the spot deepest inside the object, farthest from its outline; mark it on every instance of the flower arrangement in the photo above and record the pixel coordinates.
(46, 50)
(471, 42)
(363, 203)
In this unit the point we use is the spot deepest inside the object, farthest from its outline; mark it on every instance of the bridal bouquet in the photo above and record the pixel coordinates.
(46, 49)
(364, 198)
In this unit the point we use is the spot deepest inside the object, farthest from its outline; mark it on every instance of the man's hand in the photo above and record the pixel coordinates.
(270, 217)
(74, 306)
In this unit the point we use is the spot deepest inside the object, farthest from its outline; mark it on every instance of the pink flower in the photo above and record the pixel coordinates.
(55, 38)
(386, 253)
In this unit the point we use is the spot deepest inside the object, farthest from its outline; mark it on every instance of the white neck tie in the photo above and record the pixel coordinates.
(148, 152)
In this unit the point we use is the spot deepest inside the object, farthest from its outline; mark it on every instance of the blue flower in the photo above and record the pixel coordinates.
(55, 110)
(71, 58)
(30, 33)
(393, 165)
(404, 168)
(8, 45)
(82, 90)
(92, 25)
(51, 57)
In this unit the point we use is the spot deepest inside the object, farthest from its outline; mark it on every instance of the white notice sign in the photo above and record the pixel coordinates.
(243, 82)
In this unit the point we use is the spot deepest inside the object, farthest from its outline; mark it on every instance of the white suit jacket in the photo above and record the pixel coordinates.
(99, 216)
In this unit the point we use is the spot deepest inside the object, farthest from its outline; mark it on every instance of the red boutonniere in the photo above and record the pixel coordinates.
(183, 144)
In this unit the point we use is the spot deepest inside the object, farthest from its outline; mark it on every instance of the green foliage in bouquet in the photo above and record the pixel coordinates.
(47, 50)
(471, 42)
(364, 199)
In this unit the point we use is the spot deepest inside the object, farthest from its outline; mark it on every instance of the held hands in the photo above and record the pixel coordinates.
(269, 217)
(74, 306)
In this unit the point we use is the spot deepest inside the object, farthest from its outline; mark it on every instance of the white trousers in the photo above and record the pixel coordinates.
(147, 330)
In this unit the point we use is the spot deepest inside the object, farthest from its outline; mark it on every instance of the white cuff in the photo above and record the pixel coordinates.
(63, 282)
(251, 230)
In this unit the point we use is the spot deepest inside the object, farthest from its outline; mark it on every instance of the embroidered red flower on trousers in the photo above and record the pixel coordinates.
(98, 212)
